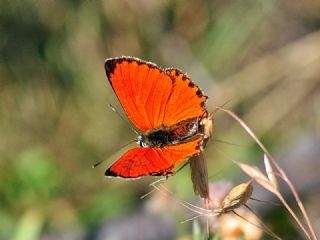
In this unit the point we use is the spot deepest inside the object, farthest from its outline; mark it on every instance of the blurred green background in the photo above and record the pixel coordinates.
(263, 56)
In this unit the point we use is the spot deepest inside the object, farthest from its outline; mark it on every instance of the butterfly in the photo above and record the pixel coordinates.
(166, 107)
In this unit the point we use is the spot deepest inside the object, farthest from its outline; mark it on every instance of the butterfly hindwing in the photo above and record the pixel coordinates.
(139, 162)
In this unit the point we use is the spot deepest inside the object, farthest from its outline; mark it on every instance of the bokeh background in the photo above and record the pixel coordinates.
(261, 56)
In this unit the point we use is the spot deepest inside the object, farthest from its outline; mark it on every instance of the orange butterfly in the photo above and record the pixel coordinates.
(167, 108)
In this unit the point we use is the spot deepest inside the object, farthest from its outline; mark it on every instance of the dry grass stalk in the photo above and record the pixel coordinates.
(198, 166)
(199, 176)
(270, 185)
(269, 171)
(237, 197)
(261, 179)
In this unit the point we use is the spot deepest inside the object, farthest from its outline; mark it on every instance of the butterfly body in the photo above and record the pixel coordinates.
(165, 136)
(166, 107)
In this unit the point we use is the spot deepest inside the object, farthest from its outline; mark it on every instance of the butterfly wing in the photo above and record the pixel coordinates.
(186, 99)
(139, 162)
(152, 97)
(142, 88)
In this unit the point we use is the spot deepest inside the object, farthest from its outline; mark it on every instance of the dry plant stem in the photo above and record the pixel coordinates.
(264, 183)
(195, 209)
(165, 190)
(270, 172)
(265, 227)
(296, 196)
(147, 194)
(253, 224)
(263, 201)
(207, 203)
(206, 212)
(283, 174)
(192, 218)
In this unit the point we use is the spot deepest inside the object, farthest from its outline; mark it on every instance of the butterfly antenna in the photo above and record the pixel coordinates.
(98, 163)
(123, 119)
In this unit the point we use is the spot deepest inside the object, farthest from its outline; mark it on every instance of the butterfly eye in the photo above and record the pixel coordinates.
(141, 141)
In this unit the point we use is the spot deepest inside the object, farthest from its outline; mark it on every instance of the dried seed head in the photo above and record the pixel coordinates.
(237, 197)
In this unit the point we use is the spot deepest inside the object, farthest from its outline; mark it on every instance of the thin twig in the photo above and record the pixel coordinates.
(185, 204)
(192, 218)
(269, 202)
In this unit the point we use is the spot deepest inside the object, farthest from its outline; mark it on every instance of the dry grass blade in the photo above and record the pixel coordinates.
(162, 189)
(283, 175)
(297, 198)
(270, 172)
(260, 178)
(263, 201)
(199, 175)
(237, 197)
(255, 173)
(198, 166)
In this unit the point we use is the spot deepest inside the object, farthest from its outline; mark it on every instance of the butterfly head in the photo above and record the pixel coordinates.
(140, 140)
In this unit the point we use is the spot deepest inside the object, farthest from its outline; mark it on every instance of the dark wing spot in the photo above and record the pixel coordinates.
(110, 173)
(176, 73)
(199, 93)
(110, 65)
(191, 84)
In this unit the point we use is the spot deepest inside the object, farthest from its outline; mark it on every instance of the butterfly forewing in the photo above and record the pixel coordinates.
(186, 100)
(142, 89)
